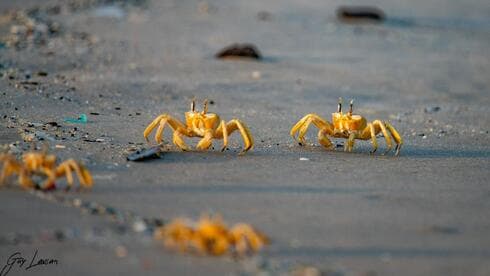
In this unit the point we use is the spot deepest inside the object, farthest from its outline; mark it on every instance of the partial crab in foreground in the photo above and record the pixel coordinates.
(199, 124)
(349, 126)
(211, 236)
(38, 170)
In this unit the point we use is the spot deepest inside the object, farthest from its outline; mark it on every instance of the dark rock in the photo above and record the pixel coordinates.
(240, 51)
(145, 154)
(360, 14)
(432, 109)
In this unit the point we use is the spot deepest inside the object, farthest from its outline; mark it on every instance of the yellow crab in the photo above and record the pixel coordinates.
(43, 166)
(349, 126)
(210, 235)
(199, 124)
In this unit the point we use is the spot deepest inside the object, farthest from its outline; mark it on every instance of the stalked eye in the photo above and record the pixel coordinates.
(351, 104)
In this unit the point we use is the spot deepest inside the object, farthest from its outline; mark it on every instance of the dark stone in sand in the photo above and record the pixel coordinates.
(360, 14)
(240, 51)
(145, 154)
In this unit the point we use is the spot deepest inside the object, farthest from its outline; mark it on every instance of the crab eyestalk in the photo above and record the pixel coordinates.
(193, 105)
(339, 108)
(351, 105)
(205, 108)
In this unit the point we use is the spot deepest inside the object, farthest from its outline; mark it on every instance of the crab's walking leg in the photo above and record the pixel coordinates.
(83, 174)
(301, 127)
(9, 167)
(25, 181)
(179, 142)
(385, 134)
(396, 136)
(244, 236)
(244, 131)
(161, 121)
(222, 132)
(370, 132)
(206, 141)
(323, 139)
(159, 133)
(320, 124)
(49, 183)
(350, 142)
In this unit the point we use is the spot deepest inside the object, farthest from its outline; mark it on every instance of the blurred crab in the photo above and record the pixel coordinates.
(199, 124)
(349, 126)
(210, 235)
(37, 167)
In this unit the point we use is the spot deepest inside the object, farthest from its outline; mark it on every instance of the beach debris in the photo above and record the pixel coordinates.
(360, 14)
(82, 119)
(432, 109)
(246, 50)
(121, 251)
(211, 236)
(146, 154)
(209, 126)
(348, 126)
(38, 170)
(264, 16)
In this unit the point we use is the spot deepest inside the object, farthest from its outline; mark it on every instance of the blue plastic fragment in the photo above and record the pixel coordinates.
(82, 119)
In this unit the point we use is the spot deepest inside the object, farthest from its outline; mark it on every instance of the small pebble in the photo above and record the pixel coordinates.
(360, 14)
(121, 251)
(77, 202)
(239, 51)
(432, 109)
(139, 226)
(256, 75)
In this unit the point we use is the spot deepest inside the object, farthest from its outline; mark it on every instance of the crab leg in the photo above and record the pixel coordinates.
(50, 180)
(179, 142)
(302, 126)
(70, 165)
(244, 131)
(10, 167)
(244, 236)
(370, 132)
(161, 121)
(396, 136)
(25, 181)
(385, 134)
(323, 139)
(222, 132)
(350, 142)
(206, 141)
